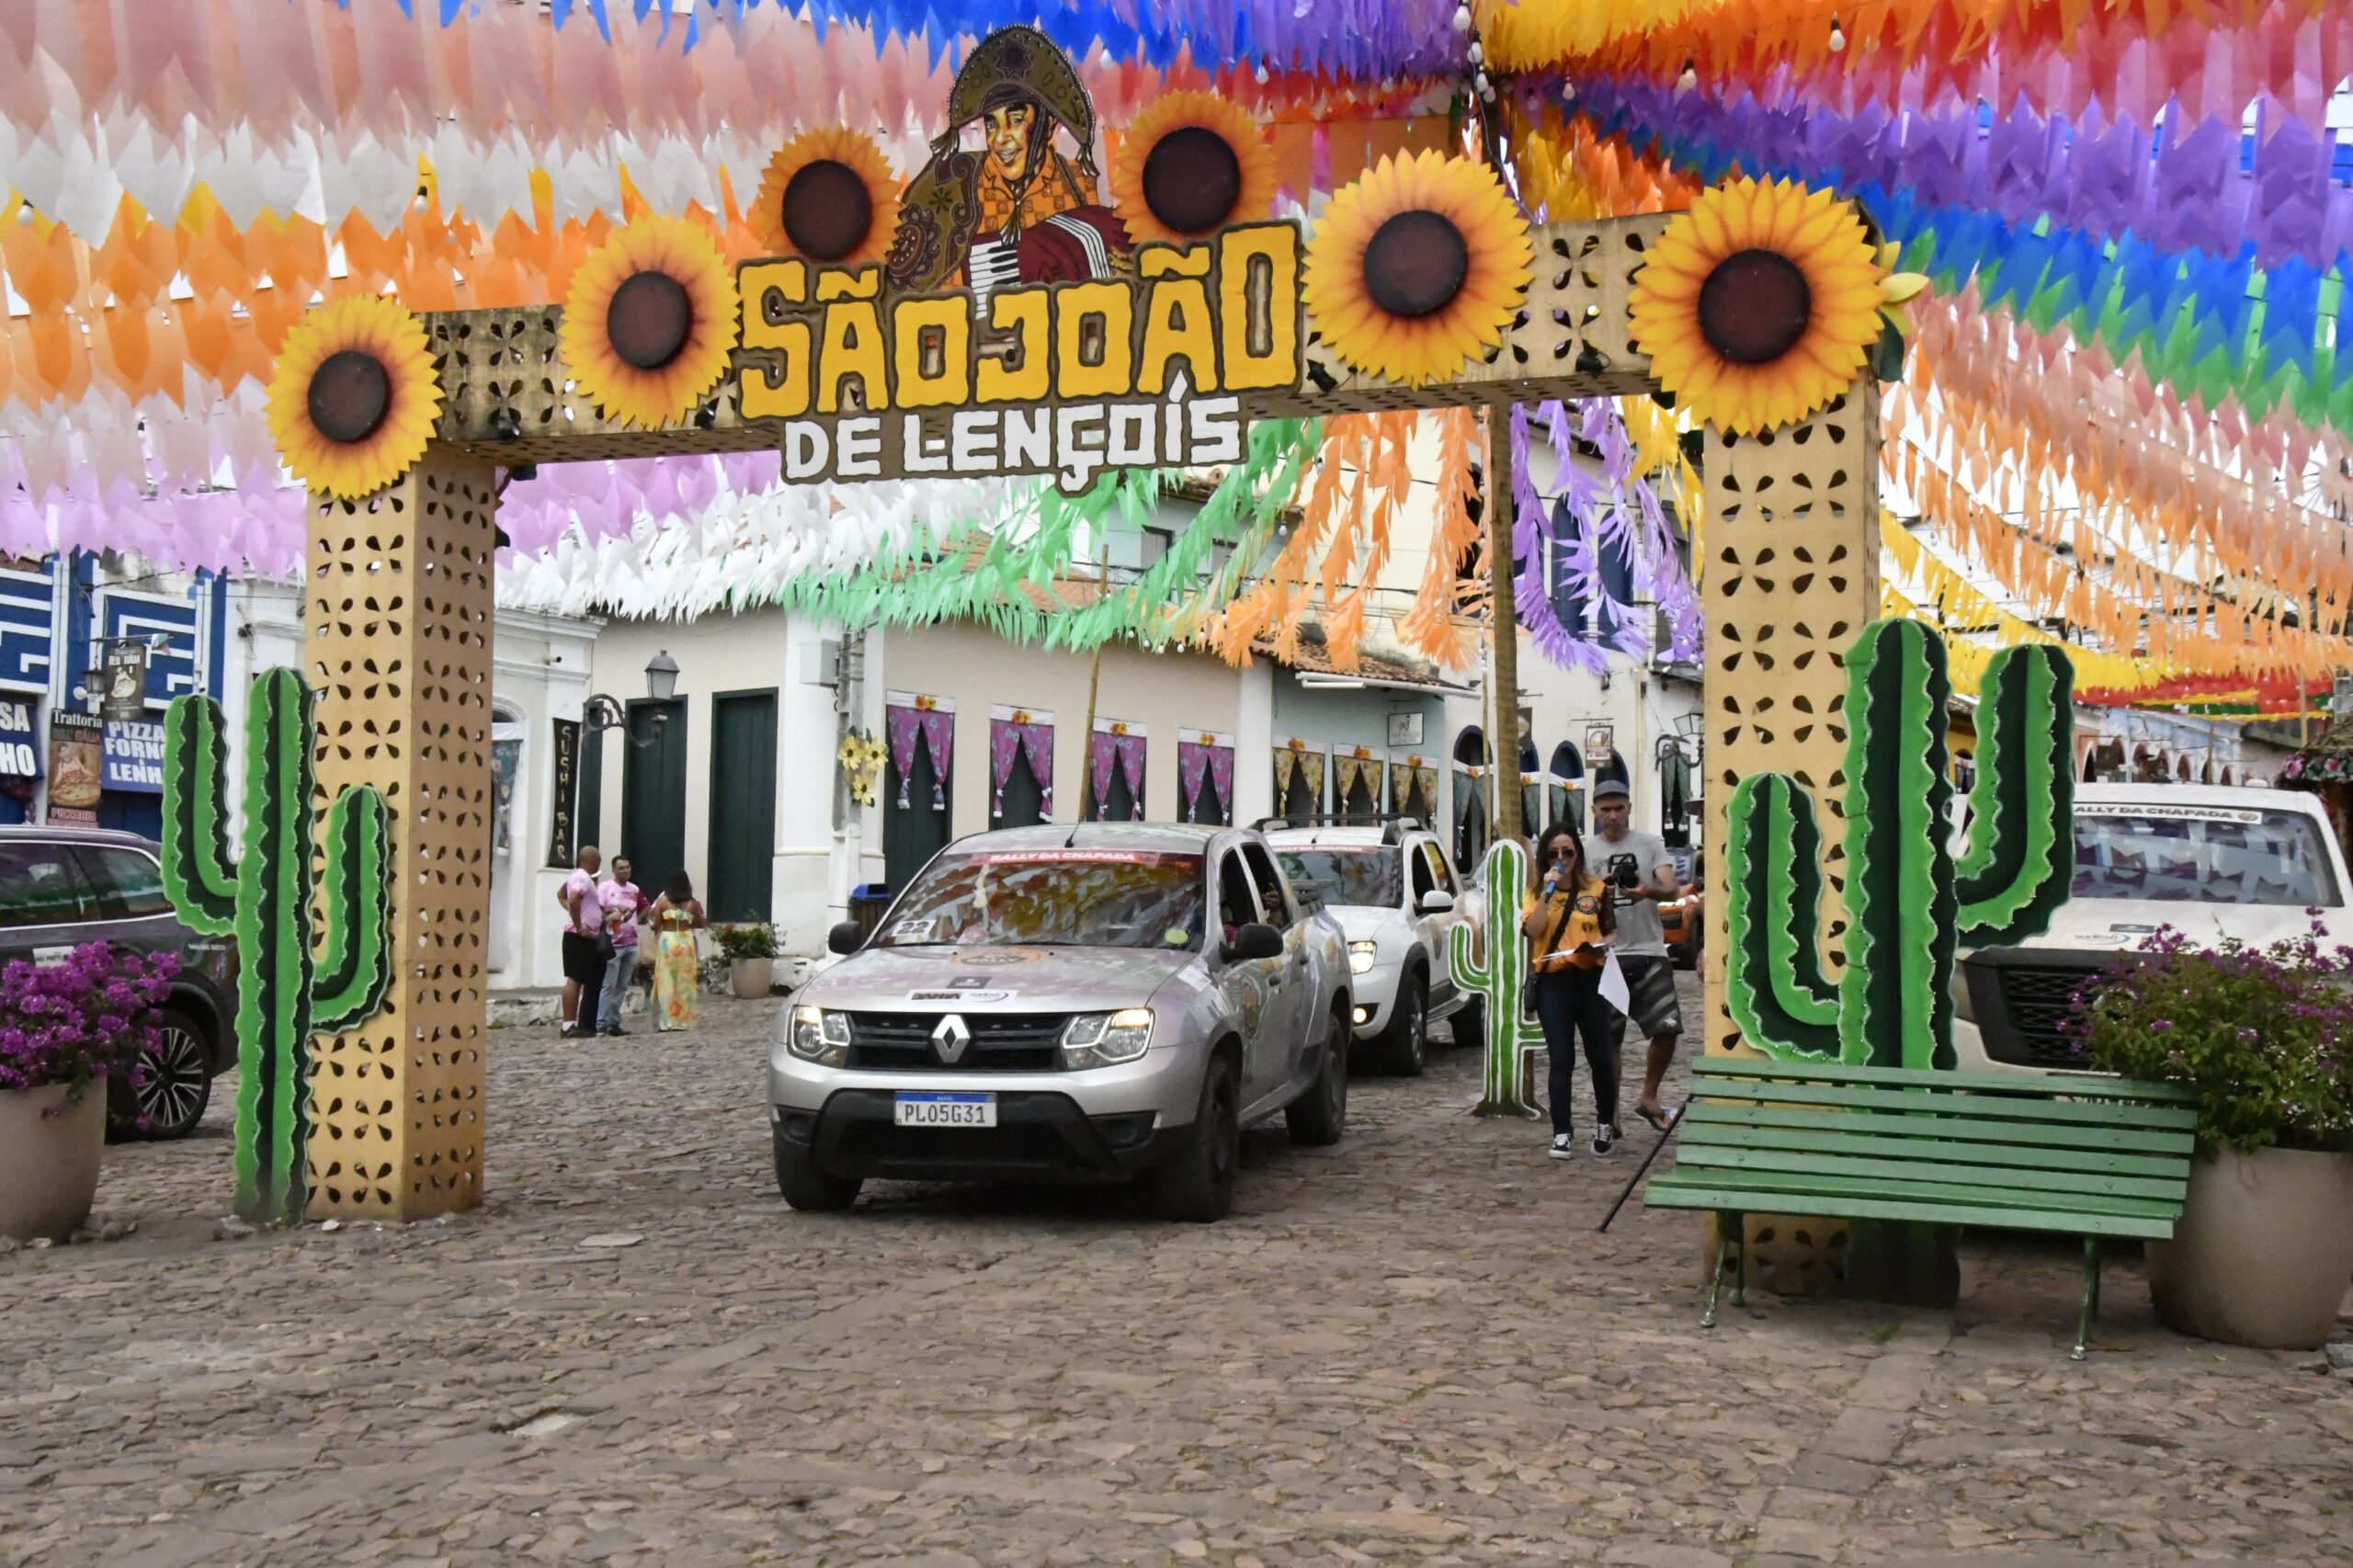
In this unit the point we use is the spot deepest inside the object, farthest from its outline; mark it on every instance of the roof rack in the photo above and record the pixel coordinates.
(1390, 823)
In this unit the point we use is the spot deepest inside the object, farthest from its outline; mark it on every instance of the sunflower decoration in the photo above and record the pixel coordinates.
(860, 757)
(1418, 266)
(828, 195)
(650, 321)
(1191, 164)
(1897, 291)
(1763, 303)
(355, 396)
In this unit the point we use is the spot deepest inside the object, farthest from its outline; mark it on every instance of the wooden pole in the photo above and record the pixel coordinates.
(1093, 685)
(1503, 626)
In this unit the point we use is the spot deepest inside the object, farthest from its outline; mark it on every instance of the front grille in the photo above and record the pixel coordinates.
(2031, 1027)
(1001, 1042)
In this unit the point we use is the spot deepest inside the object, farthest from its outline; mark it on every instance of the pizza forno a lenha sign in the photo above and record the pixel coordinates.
(1012, 327)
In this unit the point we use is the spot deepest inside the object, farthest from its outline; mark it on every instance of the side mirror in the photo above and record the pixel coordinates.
(1255, 941)
(846, 938)
(1438, 901)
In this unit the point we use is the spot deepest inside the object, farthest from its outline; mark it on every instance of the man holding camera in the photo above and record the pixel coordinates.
(1640, 871)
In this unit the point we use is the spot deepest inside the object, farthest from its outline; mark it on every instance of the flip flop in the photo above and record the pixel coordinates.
(1660, 1121)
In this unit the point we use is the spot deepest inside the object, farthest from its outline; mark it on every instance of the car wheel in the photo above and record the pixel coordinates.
(1403, 1048)
(1318, 1117)
(178, 1086)
(1469, 1024)
(807, 1187)
(1197, 1185)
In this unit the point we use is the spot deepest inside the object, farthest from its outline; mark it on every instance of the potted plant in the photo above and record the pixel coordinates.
(65, 1029)
(2264, 1248)
(750, 952)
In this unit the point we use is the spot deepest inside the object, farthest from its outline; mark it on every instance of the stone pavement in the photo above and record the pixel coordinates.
(1411, 1347)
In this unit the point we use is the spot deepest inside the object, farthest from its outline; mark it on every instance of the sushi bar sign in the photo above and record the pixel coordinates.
(1066, 379)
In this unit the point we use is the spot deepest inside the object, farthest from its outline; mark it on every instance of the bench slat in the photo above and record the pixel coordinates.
(1990, 1106)
(1716, 1126)
(1668, 1192)
(1991, 1181)
(1954, 1126)
(2098, 1085)
(1767, 1185)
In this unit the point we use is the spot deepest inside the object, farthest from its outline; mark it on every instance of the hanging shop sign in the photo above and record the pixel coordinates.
(134, 760)
(76, 767)
(123, 684)
(1600, 745)
(19, 741)
(562, 827)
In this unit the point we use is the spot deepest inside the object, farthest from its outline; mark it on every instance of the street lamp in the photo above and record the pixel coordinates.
(601, 713)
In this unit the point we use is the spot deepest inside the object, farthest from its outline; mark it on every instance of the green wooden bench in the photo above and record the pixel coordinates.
(2075, 1153)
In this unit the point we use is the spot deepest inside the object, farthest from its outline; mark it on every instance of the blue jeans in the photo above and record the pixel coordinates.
(1569, 1005)
(619, 970)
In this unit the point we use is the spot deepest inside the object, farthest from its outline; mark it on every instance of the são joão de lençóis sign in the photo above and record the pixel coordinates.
(1065, 379)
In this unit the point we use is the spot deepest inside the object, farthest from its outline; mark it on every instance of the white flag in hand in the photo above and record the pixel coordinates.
(1613, 985)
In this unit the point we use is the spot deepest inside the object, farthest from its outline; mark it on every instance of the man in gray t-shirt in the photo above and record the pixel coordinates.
(1639, 867)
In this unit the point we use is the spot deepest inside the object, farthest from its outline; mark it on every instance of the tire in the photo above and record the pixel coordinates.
(1469, 1024)
(1197, 1186)
(1318, 1117)
(1403, 1048)
(808, 1188)
(178, 1088)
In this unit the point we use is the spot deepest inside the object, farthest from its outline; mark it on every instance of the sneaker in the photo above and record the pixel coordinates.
(568, 1031)
(1563, 1147)
(1605, 1138)
(615, 1032)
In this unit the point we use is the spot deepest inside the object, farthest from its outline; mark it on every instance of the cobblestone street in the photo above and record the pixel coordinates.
(1412, 1346)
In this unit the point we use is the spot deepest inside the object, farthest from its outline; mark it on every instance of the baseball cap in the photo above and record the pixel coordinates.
(1612, 789)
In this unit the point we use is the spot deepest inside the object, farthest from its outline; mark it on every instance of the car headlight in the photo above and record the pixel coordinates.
(1105, 1040)
(819, 1036)
(1360, 956)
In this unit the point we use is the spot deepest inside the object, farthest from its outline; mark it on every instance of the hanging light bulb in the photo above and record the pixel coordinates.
(1837, 37)
(1568, 92)
(1475, 54)
(1261, 73)
(1688, 80)
(1462, 18)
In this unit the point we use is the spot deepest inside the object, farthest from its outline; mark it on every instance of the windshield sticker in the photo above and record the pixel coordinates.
(1070, 858)
(960, 997)
(1176, 937)
(2166, 814)
(916, 930)
(999, 959)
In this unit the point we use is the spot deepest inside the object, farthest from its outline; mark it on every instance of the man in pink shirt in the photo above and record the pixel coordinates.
(624, 905)
(584, 958)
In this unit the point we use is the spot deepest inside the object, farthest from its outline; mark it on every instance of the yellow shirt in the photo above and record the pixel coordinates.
(1578, 942)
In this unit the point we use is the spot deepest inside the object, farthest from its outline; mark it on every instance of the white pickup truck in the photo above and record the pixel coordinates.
(2212, 861)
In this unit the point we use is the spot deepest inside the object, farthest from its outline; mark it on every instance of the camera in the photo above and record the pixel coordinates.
(1625, 871)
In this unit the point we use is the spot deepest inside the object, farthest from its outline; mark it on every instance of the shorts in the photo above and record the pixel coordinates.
(1651, 1003)
(582, 962)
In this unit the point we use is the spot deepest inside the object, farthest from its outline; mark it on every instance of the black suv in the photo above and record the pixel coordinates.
(61, 887)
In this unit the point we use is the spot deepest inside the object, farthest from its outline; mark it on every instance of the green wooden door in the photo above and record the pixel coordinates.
(654, 791)
(912, 833)
(742, 806)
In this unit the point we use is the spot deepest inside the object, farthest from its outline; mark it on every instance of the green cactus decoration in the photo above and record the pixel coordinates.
(1908, 903)
(285, 992)
(1497, 981)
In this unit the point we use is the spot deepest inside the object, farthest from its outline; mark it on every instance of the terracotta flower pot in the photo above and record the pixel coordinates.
(752, 977)
(49, 1166)
(2263, 1252)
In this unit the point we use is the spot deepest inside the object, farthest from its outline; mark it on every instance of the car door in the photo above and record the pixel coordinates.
(1427, 873)
(1246, 987)
(46, 902)
(1291, 999)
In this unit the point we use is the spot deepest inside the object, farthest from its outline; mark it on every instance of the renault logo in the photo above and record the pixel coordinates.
(949, 1037)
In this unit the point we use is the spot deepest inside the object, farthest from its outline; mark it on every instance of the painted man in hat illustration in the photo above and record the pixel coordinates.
(1016, 211)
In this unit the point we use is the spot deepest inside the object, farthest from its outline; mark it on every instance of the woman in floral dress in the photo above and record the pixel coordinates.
(677, 970)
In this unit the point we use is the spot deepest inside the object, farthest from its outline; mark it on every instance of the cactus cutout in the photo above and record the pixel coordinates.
(1908, 902)
(285, 991)
(1498, 981)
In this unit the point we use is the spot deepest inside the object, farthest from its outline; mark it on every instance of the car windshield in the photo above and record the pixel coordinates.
(1085, 898)
(1366, 878)
(2202, 855)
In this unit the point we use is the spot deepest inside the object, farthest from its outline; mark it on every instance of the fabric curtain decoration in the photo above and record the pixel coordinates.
(906, 724)
(1346, 770)
(1409, 777)
(1309, 762)
(1211, 755)
(1116, 745)
(1009, 737)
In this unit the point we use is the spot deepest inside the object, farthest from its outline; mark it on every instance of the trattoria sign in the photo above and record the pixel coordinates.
(1066, 379)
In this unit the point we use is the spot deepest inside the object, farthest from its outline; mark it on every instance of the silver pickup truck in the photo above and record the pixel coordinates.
(1105, 1003)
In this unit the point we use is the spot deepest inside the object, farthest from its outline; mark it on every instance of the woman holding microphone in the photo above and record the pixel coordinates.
(1569, 922)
